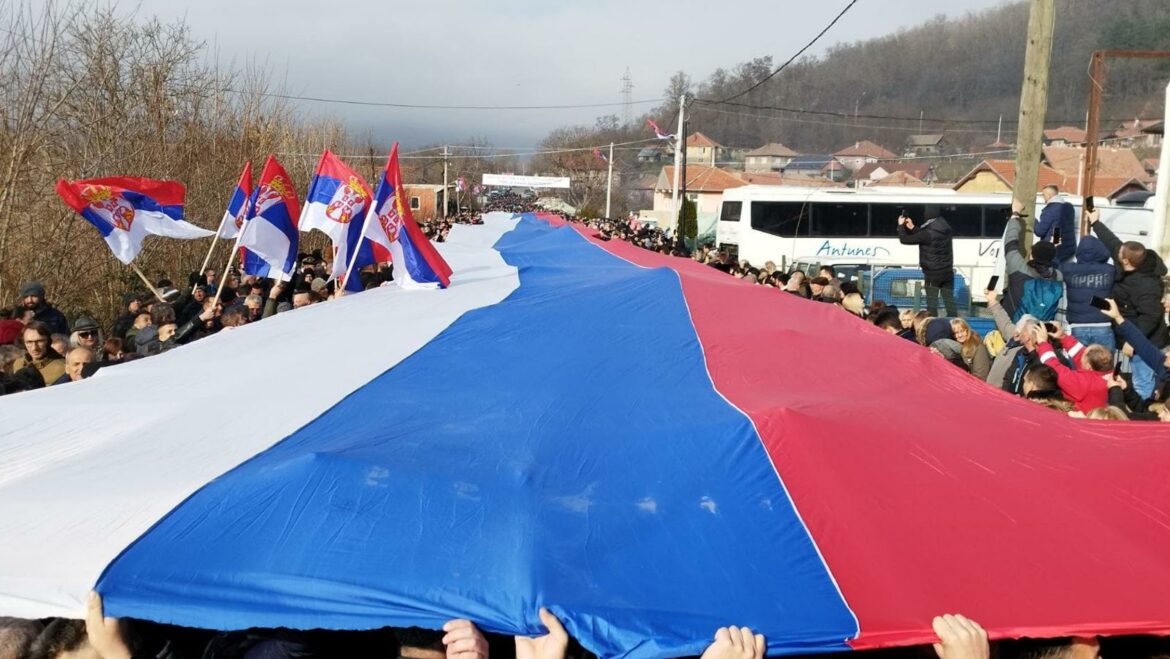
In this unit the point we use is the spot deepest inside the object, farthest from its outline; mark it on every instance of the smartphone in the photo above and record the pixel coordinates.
(1052, 328)
(1056, 236)
(1117, 370)
(1100, 302)
(993, 282)
(1089, 203)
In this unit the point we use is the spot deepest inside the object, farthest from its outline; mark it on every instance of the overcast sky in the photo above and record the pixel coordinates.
(513, 52)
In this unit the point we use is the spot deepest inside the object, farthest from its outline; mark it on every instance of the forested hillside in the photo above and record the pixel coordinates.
(959, 74)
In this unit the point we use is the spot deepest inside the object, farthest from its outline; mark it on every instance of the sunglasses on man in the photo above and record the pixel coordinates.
(87, 334)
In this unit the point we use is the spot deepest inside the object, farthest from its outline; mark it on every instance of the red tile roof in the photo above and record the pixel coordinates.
(866, 149)
(1135, 128)
(774, 149)
(701, 178)
(916, 168)
(1005, 170)
(1116, 163)
(1070, 134)
(699, 139)
(901, 178)
(776, 178)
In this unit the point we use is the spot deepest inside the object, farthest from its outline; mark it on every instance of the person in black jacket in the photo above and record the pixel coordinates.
(936, 256)
(32, 298)
(1137, 288)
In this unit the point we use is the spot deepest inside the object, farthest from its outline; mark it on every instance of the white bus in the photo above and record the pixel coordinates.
(799, 225)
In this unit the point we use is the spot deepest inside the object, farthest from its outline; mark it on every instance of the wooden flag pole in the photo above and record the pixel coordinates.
(227, 266)
(206, 260)
(146, 281)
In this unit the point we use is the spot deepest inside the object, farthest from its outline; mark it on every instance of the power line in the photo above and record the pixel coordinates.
(794, 57)
(366, 156)
(420, 106)
(849, 124)
(886, 117)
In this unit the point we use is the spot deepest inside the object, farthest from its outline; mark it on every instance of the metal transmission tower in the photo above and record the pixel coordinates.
(627, 96)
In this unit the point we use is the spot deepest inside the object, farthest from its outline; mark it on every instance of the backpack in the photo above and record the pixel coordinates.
(1041, 298)
(1013, 381)
(994, 342)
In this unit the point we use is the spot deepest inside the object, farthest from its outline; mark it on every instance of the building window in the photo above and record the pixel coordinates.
(415, 203)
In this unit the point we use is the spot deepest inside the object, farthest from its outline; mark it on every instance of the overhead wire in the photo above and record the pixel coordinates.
(795, 56)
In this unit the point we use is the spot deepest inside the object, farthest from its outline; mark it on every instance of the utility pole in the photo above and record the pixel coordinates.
(682, 239)
(679, 140)
(1033, 106)
(1093, 117)
(1162, 191)
(444, 180)
(609, 182)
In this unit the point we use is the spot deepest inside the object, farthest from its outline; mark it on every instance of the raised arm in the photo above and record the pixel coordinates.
(1013, 260)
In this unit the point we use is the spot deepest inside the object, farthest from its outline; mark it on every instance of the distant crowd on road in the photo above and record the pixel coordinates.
(1080, 323)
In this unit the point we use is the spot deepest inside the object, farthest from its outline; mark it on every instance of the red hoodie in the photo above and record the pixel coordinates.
(1087, 390)
(9, 330)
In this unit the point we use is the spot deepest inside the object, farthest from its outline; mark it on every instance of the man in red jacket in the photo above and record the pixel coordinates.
(1087, 385)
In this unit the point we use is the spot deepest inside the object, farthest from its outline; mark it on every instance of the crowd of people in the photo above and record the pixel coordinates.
(101, 637)
(39, 347)
(1081, 322)
(1077, 355)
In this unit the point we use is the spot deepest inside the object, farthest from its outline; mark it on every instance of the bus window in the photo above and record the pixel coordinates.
(840, 220)
(730, 212)
(883, 218)
(780, 218)
(966, 220)
(995, 220)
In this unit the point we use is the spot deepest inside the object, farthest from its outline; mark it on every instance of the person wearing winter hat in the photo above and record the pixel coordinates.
(32, 298)
(86, 334)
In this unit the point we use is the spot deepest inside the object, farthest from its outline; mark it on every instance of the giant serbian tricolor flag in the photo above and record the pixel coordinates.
(237, 208)
(518, 442)
(336, 204)
(269, 238)
(127, 208)
(391, 225)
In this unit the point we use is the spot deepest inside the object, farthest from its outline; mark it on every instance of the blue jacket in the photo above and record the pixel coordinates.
(1091, 274)
(1059, 214)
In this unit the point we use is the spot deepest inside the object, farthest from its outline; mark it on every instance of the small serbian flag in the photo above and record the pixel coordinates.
(597, 154)
(336, 204)
(417, 264)
(126, 208)
(269, 236)
(237, 208)
(658, 131)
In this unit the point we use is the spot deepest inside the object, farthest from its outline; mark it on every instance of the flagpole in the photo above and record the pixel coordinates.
(228, 265)
(354, 257)
(146, 281)
(207, 259)
(679, 145)
(609, 181)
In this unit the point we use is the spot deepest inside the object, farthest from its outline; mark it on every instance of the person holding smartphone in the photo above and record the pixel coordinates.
(1057, 224)
(936, 256)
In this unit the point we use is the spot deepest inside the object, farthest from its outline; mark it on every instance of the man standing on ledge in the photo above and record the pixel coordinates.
(936, 256)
